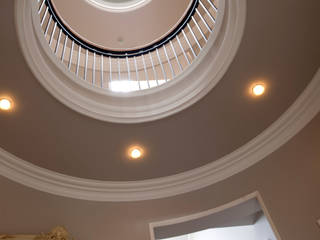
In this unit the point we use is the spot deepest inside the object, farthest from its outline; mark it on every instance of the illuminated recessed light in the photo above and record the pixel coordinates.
(135, 152)
(5, 104)
(258, 89)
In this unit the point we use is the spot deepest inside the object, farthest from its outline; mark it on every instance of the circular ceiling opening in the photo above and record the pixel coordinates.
(119, 25)
(131, 85)
(119, 5)
(170, 42)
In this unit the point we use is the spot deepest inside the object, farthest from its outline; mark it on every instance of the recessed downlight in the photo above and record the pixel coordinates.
(5, 104)
(258, 89)
(135, 152)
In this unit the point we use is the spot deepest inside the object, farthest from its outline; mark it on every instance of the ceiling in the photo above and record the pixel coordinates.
(122, 30)
(288, 181)
(278, 47)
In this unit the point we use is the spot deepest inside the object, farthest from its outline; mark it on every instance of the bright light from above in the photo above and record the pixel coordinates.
(258, 89)
(135, 152)
(5, 104)
(126, 86)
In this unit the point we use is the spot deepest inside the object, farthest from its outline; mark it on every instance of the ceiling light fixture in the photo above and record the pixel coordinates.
(5, 104)
(258, 89)
(135, 152)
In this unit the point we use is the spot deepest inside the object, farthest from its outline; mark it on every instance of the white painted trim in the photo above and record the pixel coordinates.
(119, 7)
(254, 195)
(289, 124)
(268, 216)
(147, 105)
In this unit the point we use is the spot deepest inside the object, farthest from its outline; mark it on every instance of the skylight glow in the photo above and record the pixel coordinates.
(126, 86)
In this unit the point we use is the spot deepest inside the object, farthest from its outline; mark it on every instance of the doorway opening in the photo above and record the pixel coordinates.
(243, 219)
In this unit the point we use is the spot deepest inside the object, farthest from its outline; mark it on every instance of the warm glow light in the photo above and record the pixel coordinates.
(258, 89)
(135, 152)
(5, 104)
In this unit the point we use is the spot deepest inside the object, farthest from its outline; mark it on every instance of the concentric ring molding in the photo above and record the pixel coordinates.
(119, 7)
(146, 105)
(306, 107)
(290, 123)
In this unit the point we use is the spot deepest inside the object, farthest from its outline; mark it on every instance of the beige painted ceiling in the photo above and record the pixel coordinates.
(280, 46)
(122, 30)
(288, 181)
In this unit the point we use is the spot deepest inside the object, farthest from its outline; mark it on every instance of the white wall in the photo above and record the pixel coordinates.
(263, 230)
(230, 233)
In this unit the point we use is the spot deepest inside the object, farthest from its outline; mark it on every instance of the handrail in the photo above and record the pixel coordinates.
(123, 54)
(142, 68)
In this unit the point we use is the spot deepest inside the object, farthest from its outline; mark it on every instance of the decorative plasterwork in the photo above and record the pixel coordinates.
(119, 7)
(147, 105)
(58, 233)
(289, 124)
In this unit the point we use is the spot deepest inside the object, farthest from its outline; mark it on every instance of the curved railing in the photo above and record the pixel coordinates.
(125, 71)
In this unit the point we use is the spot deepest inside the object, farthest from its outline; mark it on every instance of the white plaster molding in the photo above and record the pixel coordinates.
(289, 124)
(124, 6)
(147, 105)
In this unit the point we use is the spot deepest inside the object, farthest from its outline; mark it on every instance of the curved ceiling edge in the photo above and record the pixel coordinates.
(162, 101)
(304, 109)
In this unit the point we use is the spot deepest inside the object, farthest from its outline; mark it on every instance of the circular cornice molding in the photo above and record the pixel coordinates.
(304, 109)
(134, 107)
(123, 6)
(289, 124)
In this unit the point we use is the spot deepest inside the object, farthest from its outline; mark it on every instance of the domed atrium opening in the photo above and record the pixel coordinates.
(159, 120)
